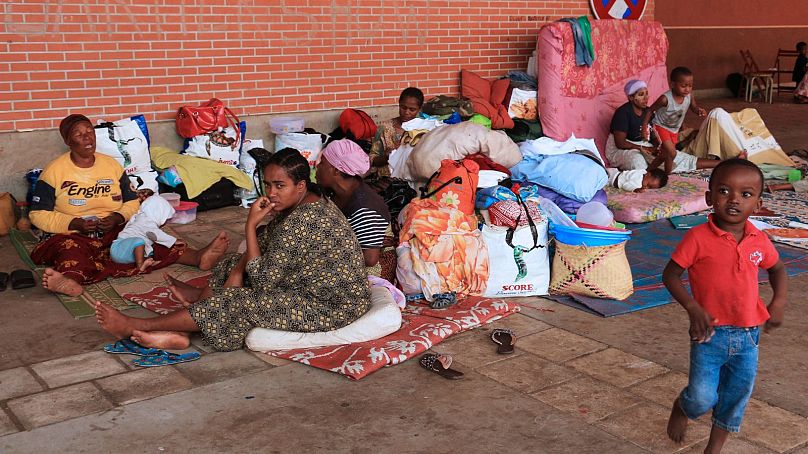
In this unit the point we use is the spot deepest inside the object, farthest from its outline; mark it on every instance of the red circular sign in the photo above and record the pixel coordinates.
(618, 9)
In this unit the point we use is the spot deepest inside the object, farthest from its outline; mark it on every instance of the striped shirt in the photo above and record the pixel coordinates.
(368, 216)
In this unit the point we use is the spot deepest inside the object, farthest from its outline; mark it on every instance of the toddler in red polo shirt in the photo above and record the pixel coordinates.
(722, 258)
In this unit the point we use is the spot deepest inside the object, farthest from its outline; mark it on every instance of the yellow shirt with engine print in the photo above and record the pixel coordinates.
(65, 191)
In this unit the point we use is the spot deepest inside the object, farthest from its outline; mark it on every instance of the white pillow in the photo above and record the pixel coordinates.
(383, 318)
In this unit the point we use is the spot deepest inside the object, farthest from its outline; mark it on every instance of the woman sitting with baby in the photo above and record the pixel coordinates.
(82, 201)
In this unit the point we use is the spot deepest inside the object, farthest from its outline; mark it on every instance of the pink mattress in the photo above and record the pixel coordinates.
(681, 196)
(581, 100)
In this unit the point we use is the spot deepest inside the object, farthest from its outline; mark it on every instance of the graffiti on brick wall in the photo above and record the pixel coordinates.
(320, 26)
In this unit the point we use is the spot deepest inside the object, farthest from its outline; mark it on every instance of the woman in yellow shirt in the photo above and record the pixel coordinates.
(81, 201)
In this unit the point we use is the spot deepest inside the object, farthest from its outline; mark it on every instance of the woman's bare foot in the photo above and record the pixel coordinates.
(162, 339)
(186, 294)
(210, 255)
(113, 321)
(677, 423)
(57, 282)
(146, 263)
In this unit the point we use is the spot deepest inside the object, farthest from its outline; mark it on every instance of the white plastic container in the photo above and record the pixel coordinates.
(184, 213)
(172, 198)
(285, 125)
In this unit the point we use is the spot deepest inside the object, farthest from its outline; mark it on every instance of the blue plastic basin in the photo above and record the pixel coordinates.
(587, 237)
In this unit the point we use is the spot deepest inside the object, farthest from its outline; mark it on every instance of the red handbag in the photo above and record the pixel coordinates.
(358, 124)
(193, 121)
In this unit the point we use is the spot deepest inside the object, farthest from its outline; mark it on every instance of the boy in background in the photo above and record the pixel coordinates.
(668, 115)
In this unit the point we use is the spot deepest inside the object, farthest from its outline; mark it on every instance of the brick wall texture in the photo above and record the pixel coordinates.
(115, 58)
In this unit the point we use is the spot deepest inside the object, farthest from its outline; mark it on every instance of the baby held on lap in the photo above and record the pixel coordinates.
(134, 243)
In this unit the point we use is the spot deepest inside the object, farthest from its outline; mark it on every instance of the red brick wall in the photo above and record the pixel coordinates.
(114, 58)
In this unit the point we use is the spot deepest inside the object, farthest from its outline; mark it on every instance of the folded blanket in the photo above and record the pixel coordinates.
(197, 174)
(457, 142)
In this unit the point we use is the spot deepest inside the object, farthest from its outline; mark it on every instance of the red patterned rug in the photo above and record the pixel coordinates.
(421, 328)
(153, 293)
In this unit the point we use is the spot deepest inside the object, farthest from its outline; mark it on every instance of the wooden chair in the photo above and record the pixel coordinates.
(753, 76)
(784, 65)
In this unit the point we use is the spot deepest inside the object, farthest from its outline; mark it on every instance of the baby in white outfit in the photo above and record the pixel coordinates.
(134, 243)
(637, 180)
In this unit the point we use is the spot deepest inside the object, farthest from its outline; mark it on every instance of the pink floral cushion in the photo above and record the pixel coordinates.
(581, 100)
(681, 196)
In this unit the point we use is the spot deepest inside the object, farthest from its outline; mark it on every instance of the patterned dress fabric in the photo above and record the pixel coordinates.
(310, 277)
(388, 138)
(86, 260)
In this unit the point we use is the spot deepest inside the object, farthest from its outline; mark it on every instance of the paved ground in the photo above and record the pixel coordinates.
(577, 383)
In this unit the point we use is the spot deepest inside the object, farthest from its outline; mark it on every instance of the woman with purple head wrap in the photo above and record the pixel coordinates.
(339, 173)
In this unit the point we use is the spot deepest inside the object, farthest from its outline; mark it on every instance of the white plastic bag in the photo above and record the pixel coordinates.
(144, 180)
(517, 274)
(222, 146)
(126, 142)
(247, 165)
(309, 145)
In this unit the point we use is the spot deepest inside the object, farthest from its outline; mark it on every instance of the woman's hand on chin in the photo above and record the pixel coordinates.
(260, 209)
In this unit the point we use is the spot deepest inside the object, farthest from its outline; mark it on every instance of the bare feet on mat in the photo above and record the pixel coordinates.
(677, 424)
(112, 321)
(186, 294)
(162, 339)
(57, 282)
(210, 255)
(147, 263)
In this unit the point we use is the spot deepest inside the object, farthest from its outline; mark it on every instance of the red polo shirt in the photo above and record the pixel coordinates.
(723, 274)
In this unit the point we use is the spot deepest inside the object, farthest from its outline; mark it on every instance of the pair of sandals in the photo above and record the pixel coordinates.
(149, 357)
(19, 279)
(442, 364)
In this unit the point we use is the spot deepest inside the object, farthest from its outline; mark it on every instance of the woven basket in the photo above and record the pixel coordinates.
(597, 271)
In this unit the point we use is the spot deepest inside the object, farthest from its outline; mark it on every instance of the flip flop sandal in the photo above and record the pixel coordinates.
(505, 338)
(440, 364)
(3, 281)
(443, 300)
(166, 359)
(130, 347)
(22, 279)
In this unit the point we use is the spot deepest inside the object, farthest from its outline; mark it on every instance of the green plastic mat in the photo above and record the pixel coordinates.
(78, 306)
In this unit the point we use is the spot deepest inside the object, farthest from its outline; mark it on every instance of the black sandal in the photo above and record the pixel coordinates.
(3, 281)
(505, 338)
(22, 279)
(440, 364)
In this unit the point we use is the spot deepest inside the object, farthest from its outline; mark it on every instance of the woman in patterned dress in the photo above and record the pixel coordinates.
(304, 273)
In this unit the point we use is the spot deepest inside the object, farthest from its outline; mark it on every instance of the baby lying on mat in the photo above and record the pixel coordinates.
(134, 243)
(637, 180)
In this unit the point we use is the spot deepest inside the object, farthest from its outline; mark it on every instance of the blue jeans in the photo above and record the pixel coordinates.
(722, 376)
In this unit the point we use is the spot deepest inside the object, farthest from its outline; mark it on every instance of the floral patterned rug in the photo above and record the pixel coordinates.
(421, 328)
